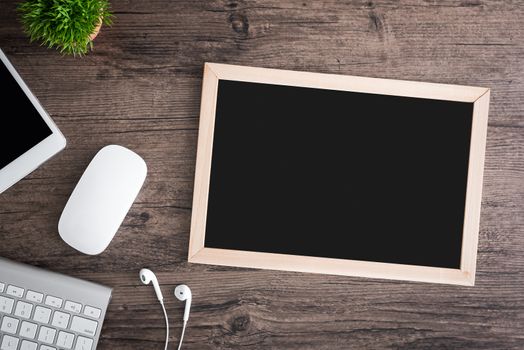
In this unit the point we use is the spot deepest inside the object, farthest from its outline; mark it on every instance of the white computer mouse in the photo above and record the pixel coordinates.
(101, 199)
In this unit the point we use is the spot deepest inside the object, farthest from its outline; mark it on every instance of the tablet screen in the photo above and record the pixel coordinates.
(22, 126)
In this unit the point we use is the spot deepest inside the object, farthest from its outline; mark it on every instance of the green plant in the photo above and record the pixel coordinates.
(64, 24)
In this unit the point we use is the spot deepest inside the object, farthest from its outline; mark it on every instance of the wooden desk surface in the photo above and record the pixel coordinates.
(140, 88)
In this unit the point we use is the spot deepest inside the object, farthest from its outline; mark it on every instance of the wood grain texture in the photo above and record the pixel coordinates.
(141, 87)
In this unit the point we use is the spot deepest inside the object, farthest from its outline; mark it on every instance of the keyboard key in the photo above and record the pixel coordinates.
(92, 311)
(53, 301)
(28, 345)
(34, 296)
(65, 340)
(46, 335)
(6, 305)
(83, 343)
(9, 325)
(2, 286)
(42, 314)
(9, 343)
(45, 347)
(15, 291)
(23, 309)
(28, 330)
(72, 306)
(60, 319)
(83, 326)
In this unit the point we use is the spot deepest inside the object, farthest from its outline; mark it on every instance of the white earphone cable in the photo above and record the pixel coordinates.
(167, 324)
(182, 336)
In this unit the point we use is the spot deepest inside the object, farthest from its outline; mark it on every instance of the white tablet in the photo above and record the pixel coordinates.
(28, 135)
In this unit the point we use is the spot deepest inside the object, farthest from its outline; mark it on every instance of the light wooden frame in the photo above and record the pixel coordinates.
(198, 253)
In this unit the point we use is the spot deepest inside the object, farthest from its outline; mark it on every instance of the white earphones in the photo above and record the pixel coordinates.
(182, 293)
(147, 276)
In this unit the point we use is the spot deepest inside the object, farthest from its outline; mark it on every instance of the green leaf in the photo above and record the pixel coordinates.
(64, 24)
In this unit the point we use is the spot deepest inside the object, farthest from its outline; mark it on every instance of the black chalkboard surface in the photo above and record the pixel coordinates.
(325, 173)
(329, 169)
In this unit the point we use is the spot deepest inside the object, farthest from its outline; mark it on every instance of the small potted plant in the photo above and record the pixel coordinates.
(69, 25)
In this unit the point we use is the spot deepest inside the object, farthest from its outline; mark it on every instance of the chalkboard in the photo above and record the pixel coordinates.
(376, 178)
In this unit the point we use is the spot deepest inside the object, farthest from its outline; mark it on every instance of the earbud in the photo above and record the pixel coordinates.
(183, 293)
(147, 276)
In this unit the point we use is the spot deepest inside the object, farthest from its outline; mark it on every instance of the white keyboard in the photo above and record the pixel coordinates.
(42, 310)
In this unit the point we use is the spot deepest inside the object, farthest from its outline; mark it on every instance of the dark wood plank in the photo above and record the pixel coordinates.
(141, 88)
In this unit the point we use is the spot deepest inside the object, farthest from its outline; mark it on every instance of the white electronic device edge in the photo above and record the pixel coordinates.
(101, 199)
(32, 156)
